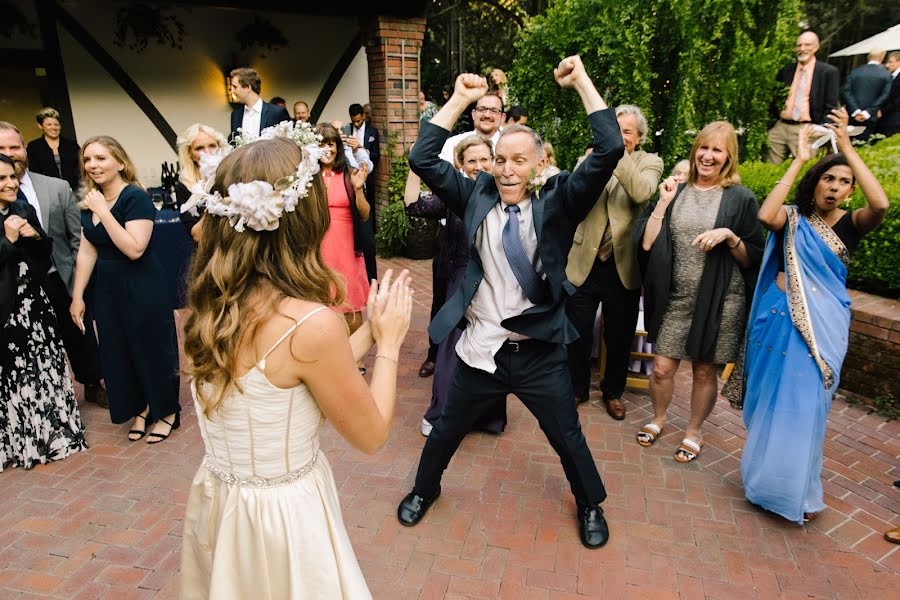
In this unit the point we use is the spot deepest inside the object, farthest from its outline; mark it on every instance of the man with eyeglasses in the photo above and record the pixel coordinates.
(487, 117)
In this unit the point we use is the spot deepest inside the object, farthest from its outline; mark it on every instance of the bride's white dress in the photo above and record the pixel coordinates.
(263, 519)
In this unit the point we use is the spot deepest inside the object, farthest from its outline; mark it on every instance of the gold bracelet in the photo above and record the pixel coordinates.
(653, 216)
(783, 183)
(736, 245)
(393, 360)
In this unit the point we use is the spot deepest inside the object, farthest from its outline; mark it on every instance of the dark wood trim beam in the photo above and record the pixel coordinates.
(334, 78)
(53, 62)
(106, 60)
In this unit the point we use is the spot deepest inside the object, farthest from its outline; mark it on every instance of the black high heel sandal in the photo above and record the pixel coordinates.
(155, 438)
(138, 432)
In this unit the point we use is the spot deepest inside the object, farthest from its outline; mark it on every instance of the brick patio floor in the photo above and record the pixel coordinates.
(107, 523)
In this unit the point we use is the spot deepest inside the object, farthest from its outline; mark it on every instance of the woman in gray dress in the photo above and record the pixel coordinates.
(699, 248)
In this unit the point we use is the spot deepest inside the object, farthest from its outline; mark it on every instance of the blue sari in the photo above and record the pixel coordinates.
(795, 345)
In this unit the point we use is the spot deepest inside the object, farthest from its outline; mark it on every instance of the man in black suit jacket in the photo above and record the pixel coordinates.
(360, 132)
(814, 88)
(889, 121)
(255, 115)
(865, 91)
(512, 300)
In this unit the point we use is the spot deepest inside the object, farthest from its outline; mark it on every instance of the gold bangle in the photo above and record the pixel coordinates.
(393, 360)
(736, 245)
(783, 183)
(653, 216)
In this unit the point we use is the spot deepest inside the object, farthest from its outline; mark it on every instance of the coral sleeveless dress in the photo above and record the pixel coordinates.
(337, 246)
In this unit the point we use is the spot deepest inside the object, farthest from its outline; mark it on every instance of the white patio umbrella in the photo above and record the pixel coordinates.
(886, 40)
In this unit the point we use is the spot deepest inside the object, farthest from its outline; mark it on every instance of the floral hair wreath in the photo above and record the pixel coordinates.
(259, 204)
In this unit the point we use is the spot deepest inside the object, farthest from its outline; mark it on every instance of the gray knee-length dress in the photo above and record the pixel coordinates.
(693, 213)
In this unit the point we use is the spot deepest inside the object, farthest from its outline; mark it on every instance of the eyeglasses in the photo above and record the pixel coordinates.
(484, 109)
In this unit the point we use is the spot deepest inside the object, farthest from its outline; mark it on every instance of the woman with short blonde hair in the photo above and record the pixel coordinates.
(196, 140)
(53, 154)
(699, 250)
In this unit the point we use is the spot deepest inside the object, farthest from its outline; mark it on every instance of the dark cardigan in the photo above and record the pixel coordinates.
(35, 252)
(737, 212)
(40, 160)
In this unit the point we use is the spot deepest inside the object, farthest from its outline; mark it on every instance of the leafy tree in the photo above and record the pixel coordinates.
(684, 62)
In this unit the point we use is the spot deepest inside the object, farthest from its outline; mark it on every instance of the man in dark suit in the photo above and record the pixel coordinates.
(512, 300)
(360, 133)
(255, 115)
(814, 88)
(865, 91)
(59, 217)
(889, 121)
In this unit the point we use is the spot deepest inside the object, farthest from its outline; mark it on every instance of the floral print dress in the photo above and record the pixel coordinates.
(39, 420)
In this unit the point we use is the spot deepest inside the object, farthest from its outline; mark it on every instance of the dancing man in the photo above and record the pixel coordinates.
(514, 292)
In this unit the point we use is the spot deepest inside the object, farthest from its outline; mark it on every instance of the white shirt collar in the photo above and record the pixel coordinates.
(873, 62)
(894, 74)
(257, 107)
(26, 180)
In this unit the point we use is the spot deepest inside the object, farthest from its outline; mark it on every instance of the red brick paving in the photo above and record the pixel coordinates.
(107, 523)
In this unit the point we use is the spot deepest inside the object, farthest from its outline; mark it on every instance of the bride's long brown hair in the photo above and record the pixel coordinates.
(239, 278)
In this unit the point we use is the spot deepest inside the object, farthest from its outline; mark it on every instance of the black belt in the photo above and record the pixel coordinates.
(519, 345)
(791, 122)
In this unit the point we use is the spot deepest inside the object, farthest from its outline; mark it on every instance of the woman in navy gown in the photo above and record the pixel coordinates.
(135, 321)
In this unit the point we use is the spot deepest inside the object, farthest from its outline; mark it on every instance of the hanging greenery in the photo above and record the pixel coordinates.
(139, 23)
(262, 34)
(14, 21)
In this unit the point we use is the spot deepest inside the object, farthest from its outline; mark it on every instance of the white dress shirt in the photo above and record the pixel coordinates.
(27, 187)
(252, 116)
(449, 148)
(360, 134)
(499, 295)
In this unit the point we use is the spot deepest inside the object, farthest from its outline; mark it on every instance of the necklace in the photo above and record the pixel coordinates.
(705, 189)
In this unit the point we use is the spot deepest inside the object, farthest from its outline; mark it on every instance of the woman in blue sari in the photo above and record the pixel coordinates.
(798, 327)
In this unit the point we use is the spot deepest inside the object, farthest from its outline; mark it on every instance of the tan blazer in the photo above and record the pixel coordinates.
(633, 183)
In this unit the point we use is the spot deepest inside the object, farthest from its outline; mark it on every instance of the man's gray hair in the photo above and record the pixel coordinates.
(631, 109)
(516, 128)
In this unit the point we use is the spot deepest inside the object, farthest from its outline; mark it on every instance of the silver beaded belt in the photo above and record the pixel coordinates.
(257, 481)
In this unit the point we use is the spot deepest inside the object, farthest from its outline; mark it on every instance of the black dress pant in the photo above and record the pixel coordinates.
(620, 313)
(537, 374)
(440, 279)
(81, 348)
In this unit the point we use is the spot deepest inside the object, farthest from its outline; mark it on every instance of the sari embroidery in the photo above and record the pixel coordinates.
(797, 302)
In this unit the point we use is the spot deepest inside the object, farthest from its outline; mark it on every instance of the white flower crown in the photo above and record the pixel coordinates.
(258, 204)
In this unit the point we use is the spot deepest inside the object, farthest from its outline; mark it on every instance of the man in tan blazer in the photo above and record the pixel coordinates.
(603, 265)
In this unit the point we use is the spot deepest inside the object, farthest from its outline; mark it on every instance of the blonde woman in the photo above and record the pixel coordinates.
(52, 154)
(196, 140)
(699, 249)
(270, 362)
(135, 322)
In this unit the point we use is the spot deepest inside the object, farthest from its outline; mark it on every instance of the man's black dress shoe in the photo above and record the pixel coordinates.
(427, 368)
(592, 527)
(414, 507)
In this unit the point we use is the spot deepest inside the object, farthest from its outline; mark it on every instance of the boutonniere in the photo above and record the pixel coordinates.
(536, 182)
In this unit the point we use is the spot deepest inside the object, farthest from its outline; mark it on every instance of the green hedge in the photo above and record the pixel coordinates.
(393, 224)
(876, 263)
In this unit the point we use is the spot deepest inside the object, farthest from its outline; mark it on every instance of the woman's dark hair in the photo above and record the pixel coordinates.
(5, 159)
(805, 196)
(330, 134)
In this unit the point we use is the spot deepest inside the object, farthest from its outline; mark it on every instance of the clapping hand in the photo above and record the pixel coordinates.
(470, 87)
(358, 178)
(569, 72)
(389, 309)
(96, 203)
(804, 143)
(839, 122)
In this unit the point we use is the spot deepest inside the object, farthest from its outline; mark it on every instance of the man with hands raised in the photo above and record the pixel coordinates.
(512, 300)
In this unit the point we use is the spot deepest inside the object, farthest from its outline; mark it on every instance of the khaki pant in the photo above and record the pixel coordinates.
(782, 142)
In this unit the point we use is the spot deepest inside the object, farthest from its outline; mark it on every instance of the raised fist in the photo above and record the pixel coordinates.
(569, 72)
(470, 87)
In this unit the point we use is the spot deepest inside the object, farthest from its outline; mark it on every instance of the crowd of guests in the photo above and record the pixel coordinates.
(285, 302)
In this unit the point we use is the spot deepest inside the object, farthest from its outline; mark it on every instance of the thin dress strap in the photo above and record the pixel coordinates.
(262, 362)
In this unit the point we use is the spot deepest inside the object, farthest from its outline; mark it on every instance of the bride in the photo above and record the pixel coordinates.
(270, 361)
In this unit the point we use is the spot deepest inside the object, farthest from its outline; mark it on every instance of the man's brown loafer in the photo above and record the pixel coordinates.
(615, 408)
(427, 369)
